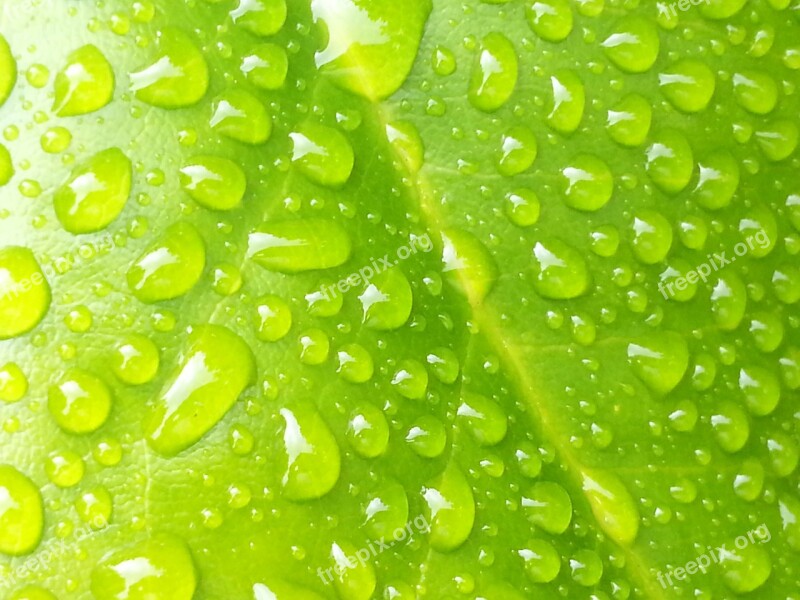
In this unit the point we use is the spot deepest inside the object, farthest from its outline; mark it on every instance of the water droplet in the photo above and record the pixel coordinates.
(789, 507)
(747, 569)
(444, 364)
(79, 402)
(542, 561)
(55, 140)
(612, 506)
(728, 301)
(24, 292)
(560, 271)
(522, 207)
(261, 17)
(370, 47)
(761, 390)
(354, 579)
(749, 480)
(587, 184)
(718, 180)
(387, 300)
(688, 84)
(452, 510)
(135, 360)
(65, 469)
(94, 507)
(670, 161)
(216, 366)
(494, 74)
(443, 61)
(778, 140)
(177, 75)
(266, 66)
(628, 122)
(8, 70)
(313, 347)
(240, 116)
(485, 420)
(368, 431)
(569, 99)
(273, 318)
(281, 590)
(213, 182)
(313, 461)
(517, 152)
(755, 91)
(730, 426)
(322, 154)
(407, 144)
(355, 363)
(467, 264)
(548, 506)
(13, 383)
(634, 44)
(22, 519)
(551, 20)
(427, 437)
(95, 193)
(85, 84)
(652, 237)
(386, 511)
(302, 245)
(158, 568)
(170, 267)
(586, 568)
(411, 379)
(33, 592)
(660, 360)
(721, 9)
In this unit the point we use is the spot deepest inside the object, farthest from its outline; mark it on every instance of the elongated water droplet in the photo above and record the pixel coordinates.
(660, 360)
(670, 161)
(85, 84)
(214, 370)
(354, 579)
(369, 45)
(386, 511)
(518, 150)
(302, 245)
(158, 568)
(24, 292)
(312, 454)
(22, 517)
(728, 301)
(569, 99)
(177, 76)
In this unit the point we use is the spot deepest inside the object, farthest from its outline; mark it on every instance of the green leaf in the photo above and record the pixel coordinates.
(374, 299)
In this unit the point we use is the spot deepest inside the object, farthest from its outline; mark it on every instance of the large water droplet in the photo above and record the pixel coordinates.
(670, 161)
(322, 154)
(452, 510)
(728, 301)
(312, 454)
(387, 300)
(587, 184)
(135, 360)
(761, 389)
(629, 120)
(95, 193)
(551, 20)
(542, 561)
(177, 76)
(215, 368)
(266, 66)
(467, 263)
(688, 84)
(569, 99)
(214, 182)
(660, 360)
(368, 431)
(301, 245)
(484, 418)
(85, 84)
(261, 17)
(79, 402)
(170, 267)
(386, 511)
(612, 506)
(240, 116)
(652, 237)
(548, 506)
(747, 569)
(494, 74)
(755, 91)
(354, 579)
(158, 568)
(8, 70)
(634, 44)
(560, 271)
(731, 427)
(718, 180)
(21, 512)
(24, 292)
(369, 45)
